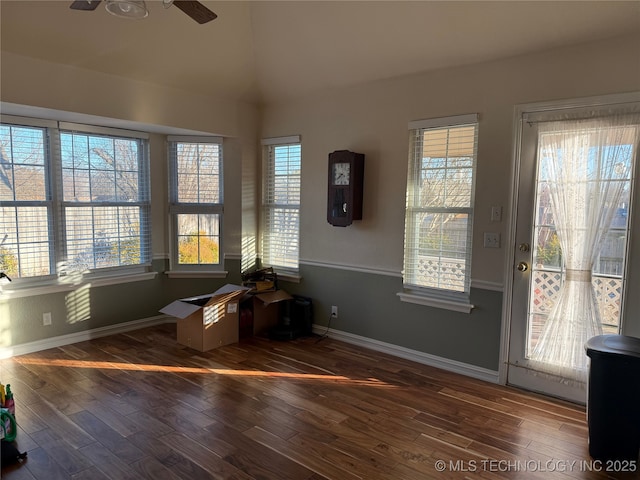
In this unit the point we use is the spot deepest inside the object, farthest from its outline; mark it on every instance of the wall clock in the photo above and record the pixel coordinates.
(346, 180)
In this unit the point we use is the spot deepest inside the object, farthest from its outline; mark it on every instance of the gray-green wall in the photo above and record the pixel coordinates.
(86, 307)
(367, 302)
(368, 306)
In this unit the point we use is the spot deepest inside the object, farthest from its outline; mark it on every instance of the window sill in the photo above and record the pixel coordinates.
(196, 274)
(70, 283)
(289, 277)
(446, 304)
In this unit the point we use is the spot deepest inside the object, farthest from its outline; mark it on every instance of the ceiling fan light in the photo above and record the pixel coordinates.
(127, 8)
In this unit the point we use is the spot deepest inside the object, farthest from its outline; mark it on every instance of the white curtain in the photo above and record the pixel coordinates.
(587, 164)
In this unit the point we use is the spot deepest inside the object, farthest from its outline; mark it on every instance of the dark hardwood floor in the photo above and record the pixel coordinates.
(138, 405)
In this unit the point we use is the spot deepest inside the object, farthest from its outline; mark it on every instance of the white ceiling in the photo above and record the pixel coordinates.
(267, 51)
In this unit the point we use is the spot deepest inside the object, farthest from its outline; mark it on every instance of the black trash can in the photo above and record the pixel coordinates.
(613, 402)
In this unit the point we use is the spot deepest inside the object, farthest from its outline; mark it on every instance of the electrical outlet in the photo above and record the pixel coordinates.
(496, 214)
(334, 311)
(491, 240)
(46, 319)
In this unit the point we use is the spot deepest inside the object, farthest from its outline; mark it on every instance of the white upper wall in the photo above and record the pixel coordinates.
(43, 89)
(43, 84)
(270, 50)
(372, 119)
(302, 47)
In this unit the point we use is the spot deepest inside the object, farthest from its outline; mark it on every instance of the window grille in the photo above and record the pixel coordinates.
(196, 202)
(73, 198)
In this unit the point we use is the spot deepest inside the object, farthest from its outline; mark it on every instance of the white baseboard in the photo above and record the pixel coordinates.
(61, 340)
(402, 352)
(413, 355)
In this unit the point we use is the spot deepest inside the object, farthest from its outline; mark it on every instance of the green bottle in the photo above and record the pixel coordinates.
(9, 404)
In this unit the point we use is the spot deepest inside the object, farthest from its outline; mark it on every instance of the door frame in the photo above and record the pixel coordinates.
(510, 254)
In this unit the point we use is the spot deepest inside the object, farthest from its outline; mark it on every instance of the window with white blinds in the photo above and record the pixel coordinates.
(196, 202)
(105, 200)
(281, 203)
(26, 231)
(440, 198)
(72, 200)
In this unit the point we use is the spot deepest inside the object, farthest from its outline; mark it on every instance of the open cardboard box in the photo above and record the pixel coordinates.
(208, 321)
(266, 310)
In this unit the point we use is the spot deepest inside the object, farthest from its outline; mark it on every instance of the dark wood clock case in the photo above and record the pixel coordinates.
(344, 201)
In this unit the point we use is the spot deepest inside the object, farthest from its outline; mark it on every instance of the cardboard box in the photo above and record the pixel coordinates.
(263, 280)
(266, 310)
(208, 321)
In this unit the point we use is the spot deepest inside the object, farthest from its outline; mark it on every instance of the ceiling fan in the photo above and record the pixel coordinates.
(138, 9)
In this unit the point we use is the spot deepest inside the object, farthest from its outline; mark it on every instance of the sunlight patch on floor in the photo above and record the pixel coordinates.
(371, 382)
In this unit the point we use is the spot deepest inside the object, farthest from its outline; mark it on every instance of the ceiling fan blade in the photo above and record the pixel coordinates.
(89, 5)
(196, 10)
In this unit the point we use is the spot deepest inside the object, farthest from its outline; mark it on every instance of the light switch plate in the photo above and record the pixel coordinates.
(491, 240)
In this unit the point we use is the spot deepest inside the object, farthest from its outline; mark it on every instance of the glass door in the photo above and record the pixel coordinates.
(575, 196)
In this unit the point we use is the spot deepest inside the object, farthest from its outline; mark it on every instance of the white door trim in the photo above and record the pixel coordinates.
(519, 111)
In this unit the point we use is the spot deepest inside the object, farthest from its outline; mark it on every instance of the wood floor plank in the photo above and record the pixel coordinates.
(17, 472)
(148, 422)
(506, 440)
(110, 415)
(24, 441)
(169, 457)
(254, 458)
(25, 385)
(152, 468)
(106, 381)
(41, 465)
(91, 473)
(108, 437)
(203, 457)
(182, 418)
(302, 399)
(138, 405)
(98, 391)
(59, 422)
(238, 411)
(61, 451)
(109, 464)
(361, 468)
(299, 453)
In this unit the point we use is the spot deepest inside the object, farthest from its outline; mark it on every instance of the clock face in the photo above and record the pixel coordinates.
(341, 173)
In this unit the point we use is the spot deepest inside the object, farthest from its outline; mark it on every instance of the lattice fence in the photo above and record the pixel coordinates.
(608, 292)
(438, 272)
(547, 285)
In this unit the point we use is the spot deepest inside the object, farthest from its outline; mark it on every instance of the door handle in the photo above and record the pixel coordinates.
(522, 266)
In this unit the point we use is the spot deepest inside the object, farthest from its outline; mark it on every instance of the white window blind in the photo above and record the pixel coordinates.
(281, 203)
(196, 201)
(105, 200)
(71, 201)
(440, 197)
(26, 239)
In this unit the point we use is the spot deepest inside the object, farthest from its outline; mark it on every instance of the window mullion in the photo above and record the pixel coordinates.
(57, 237)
